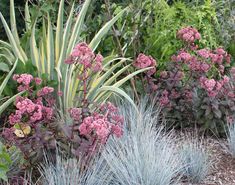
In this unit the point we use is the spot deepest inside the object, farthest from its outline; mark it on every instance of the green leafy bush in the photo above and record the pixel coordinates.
(194, 88)
(5, 162)
(161, 41)
(49, 53)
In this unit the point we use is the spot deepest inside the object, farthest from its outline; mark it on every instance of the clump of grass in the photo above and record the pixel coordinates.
(73, 171)
(145, 154)
(195, 159)
(231, 139)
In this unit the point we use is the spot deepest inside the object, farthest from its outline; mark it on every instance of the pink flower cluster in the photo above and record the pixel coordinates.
(103, 123)
(198, 65)
(188, 34)
(45, 91)
(204, 53)
(182, 56)
(30, 112)
(84, 55)
(214, 87)
(144, 61)
(33, 108)
(76, 114)
(24, 81)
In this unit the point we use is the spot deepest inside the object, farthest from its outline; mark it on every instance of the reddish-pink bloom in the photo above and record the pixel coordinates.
(75, 114)
(24, 79)
(220, 51)
(99, 58)
(45, 91)
(97, 67)
(69, 60)
(188, 34)
(205, 67)
(38, 81)
(184, 56)
(117, 130)
(163, 74)
(144, 61)
(205, 53)
(226, 79)
(210, 84)
(60, 93)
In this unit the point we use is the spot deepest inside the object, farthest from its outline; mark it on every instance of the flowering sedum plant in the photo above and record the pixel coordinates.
(89, 132)
(30, 122)
(92, 125)
(195, 84)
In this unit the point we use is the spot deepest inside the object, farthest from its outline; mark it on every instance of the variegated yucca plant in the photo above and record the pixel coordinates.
(56, 44)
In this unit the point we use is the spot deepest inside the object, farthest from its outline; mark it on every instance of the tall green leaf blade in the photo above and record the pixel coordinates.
(27, 16)
(13, 22)
(98, 82)
(50, 49)
(104, 30)
(116, 75)
(34, 50)
(128, 77)
(15, 47)
(121, 82)
(119, 92)
(66, 35)
(14, 28)
(4, 67)
(77, 27)
(5, 44)
(4, 83)
(59, 30)
(8, 102)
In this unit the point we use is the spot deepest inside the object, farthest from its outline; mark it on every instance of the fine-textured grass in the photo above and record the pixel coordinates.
(145, 154)
(231, 139)
(195, 159)
(73, 172)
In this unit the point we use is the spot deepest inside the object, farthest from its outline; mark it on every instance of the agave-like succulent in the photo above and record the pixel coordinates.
(56, 44)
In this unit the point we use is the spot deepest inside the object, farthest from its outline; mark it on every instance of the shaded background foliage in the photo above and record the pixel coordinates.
(4, 9)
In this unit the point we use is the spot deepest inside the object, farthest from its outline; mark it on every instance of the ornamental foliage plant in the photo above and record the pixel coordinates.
(195, 159)
(55, 44)
(5, 103)
(195, 86)
(161, 39)
(231, 140)
(145, 154)
(72, 171)
(34, 127)
(5, 162)
(30, 125)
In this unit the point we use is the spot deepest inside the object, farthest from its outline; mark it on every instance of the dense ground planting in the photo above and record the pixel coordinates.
(117, 92)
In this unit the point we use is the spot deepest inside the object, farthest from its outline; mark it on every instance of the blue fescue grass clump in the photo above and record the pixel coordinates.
(231, 139)
(145, 154)
(195, 159)
(75, 172)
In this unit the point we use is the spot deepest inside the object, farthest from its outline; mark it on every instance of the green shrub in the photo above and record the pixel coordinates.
(160, 40)
(5, 162)
(49, 53)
